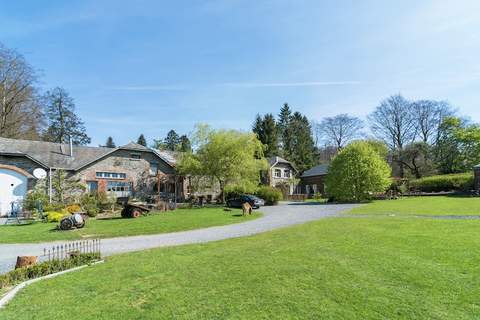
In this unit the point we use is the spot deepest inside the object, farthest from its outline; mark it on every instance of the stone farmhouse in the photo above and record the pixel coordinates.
(129, 170)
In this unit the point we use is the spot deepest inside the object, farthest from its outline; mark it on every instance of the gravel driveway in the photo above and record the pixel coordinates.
(285, 214)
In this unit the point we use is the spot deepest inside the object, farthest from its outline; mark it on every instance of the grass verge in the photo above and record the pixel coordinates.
(336, 268)
(170, 221)
(434, 205)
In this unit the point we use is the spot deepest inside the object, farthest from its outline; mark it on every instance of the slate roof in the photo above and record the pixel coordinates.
(171, 157)
(320, 170)
(57, 155)
(276, 159)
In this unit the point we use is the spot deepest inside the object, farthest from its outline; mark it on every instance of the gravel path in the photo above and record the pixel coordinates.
(283, 215)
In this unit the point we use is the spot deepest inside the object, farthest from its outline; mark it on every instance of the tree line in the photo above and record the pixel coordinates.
(27, 113)
(423, 137)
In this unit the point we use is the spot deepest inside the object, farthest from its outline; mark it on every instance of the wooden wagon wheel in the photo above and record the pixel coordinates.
(135, 213)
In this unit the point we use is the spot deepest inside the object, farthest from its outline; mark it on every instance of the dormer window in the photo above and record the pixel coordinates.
(135, 156)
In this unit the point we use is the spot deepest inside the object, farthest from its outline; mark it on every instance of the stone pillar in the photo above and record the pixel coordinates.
(476, 171)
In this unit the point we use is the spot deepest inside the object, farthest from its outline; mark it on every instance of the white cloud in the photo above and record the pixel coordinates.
(290, 84)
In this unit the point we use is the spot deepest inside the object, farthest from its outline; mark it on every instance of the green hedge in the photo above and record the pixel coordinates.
(44, 268)
(271, 195)
(447, 182)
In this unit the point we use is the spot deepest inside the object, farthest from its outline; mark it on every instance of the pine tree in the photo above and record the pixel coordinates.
(110, 143)
(142, 141)
(63, 123)
(267, 133)
(284, 119)
(172, 140)
(185, 144)
(302, 146)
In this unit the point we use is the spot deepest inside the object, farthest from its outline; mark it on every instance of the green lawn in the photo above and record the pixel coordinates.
(454, 206)
(171, 221)
(337, 268)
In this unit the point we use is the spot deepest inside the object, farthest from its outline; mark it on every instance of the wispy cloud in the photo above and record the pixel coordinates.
(149, 88)
(290, 84)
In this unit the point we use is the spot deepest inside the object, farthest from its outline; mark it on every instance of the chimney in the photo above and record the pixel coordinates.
(71, 147)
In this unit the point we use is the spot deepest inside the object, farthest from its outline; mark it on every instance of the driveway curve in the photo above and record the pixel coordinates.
(283, 215)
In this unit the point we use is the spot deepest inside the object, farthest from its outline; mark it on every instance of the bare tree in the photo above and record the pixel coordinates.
(20, 111)
(341, 129)
(430, 114)
(395, 122)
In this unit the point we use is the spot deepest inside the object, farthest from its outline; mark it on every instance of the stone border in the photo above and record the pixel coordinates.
(13, 292)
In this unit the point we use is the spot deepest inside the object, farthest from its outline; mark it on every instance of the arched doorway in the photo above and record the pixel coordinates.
(13, 187)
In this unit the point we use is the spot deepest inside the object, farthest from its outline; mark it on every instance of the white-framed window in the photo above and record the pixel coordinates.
(110, 175)
(286, 173)
(153, 168)
(278, 173)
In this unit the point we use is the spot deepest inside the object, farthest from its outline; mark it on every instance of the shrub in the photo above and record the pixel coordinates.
(44, 268)
(235, 191)
(271, 195)
(447, 182)
(55, 216)
(357, 173)
(33, 198)
(73, 208)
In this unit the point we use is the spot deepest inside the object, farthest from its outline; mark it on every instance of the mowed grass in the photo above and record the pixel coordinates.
(441, 206)
(335, 268)
(170, 221)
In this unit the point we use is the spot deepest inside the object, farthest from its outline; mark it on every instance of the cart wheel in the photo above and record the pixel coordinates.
(135, 213)
(66, 224)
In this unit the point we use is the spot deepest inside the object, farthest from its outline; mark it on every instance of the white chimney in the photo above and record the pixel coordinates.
(71, 147)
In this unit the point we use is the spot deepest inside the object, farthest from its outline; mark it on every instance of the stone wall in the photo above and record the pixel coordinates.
(137, 171)
(19, 162)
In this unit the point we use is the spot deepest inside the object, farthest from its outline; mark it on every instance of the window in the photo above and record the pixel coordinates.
(153, 168)
(92, 186)
(135, 156)
(286, 173)
(111, 175)
(278, 173)
(119, 186)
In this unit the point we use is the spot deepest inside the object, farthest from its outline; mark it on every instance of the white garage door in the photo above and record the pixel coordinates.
(13, 187)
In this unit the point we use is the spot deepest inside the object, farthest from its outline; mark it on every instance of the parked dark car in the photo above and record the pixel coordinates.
(254, 201)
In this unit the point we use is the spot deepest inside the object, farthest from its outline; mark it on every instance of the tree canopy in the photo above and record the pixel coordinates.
(63, 122)
(141, 140)
(356, 173)
(229, 157)
(267, 132)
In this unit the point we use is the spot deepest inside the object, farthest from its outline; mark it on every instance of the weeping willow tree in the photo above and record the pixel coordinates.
(227, 157)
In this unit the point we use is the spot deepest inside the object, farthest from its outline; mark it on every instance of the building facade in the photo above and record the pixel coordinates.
(281, 174)
(312, 181)
(130, 170)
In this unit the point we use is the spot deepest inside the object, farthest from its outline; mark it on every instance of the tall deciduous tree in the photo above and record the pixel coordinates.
(429, 115)
(20, 109)
(266, 130)
(395, 122)
(63, 123)
(141, 140)
(228, 157)
(341, 129)
(458, 146)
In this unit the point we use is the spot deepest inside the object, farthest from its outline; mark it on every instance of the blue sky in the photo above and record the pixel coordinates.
(150, 66)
